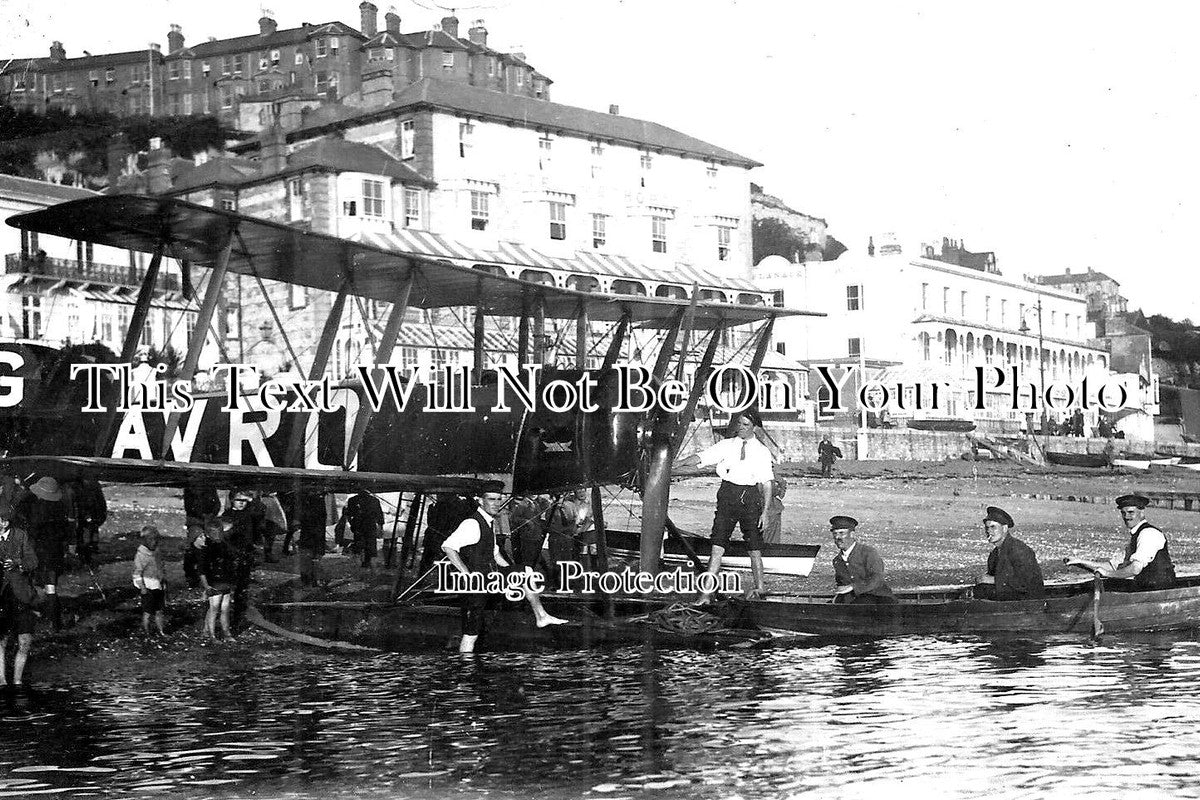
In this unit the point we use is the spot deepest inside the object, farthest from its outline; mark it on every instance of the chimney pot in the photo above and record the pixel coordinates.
(369, 14)
(614, 109)
(450, 25)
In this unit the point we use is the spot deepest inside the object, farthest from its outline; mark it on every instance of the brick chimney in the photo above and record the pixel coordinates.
(57, 51)
(158, 167)
(118, 154)
(369, 14)
(614, 109)
(450, 25)
(266, 25)
(377, 87)
(478, 33)
(175, 39)
(274, 150)
(391, 21)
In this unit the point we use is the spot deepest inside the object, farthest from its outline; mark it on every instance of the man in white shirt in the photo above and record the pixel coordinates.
(473, 547)
(744, 465)
(1146, 562)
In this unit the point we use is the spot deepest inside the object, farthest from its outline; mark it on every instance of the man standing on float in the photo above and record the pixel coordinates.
(744, 465)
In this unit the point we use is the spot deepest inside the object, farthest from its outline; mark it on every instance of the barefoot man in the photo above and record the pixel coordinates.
(472, 547)
(744, 466)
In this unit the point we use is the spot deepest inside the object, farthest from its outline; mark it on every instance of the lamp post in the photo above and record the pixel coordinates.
(1024, 329)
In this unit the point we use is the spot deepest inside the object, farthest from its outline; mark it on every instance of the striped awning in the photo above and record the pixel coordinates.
(513, 254)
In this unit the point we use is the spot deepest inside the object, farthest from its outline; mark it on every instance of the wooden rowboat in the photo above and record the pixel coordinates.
(1076, 459)
(778, 559)
(1067, 608)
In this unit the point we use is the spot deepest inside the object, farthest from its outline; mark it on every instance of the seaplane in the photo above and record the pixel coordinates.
(61, 410)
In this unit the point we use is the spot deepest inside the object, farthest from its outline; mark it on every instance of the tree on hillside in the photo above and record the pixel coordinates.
(66, 148)
(772, 237)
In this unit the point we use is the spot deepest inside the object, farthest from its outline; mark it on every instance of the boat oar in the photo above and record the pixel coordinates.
(1097, 590)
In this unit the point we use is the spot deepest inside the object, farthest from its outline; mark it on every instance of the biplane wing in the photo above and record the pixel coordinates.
(179, 474)
(280, 252)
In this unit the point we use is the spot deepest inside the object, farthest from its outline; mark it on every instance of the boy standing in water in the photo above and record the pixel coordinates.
(148, 576)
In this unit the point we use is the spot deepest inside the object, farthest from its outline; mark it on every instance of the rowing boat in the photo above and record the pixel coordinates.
(778, 559)
(1067, 608)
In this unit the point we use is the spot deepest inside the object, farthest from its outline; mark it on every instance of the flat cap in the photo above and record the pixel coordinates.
(1132, 501)
(841, 522)
(995, 514)
(493, 487)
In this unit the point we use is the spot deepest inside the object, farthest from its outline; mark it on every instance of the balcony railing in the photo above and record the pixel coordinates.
(71, 270)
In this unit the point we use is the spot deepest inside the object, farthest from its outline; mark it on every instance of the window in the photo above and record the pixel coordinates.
(539, 88)
(925, 346)
(56, 83)
(479, 211)
(854, 298)
(945, 299)
(274, 57)
(924, 296)
(299, 59)
(520, 77)
(93, 78)
(227, 204)
(350, 208)
(372, 198)
(110, 76)
(491, 65)
(139, 73)
(558, 220)
(321, 82)
(777, 299)
(987, 308)
(226, 93)
(1053, 319)
(263, 62)
(1003, 312)
(333, 46)
(239, 64)
(407, 138)
(322, 48)
(854, 347)
(295, 195)
(174, 105)
(545, 144)
(174, 71)
(647, 161)
(226, 65)
(412, 208)
(375, 54)
(137, 103)
(711, 173)
(962, 304)
(724, 239)
(297, 296)
(465, 129)
(31, 316)
(408, 359)
(447, 60)
(597, 149)
(658, 234)
(599, 230)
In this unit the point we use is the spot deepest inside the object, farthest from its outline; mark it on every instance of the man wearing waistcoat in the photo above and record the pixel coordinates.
(857, 568)
(472, 547)
(1146, 563)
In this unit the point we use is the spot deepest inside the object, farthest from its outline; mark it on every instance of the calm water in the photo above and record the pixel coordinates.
(916, 716)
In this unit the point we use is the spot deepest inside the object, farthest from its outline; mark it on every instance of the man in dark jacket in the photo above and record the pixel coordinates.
(364, 515)
(309, 517)
(827, 454)
(857, 567)
(88, 511)
(1146, 564)
(1012, 568)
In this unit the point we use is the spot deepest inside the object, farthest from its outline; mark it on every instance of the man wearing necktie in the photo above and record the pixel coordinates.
(473, 547)
(744, 465)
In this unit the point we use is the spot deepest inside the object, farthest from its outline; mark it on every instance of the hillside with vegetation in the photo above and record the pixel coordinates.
(73, 148)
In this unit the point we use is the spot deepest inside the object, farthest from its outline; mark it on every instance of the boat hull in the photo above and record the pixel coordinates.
(778, 559)
(1171, 609)
(508, 627)
(1076, 459)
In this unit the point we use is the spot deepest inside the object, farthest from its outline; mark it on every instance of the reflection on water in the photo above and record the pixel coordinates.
(1008, 718)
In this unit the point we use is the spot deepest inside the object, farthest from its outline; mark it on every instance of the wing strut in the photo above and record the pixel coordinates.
(295, 453)
(656, 490)
(387, 343)
(212, 293)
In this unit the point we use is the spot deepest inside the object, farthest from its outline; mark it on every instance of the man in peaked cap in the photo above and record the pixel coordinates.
(1012, 568)
(44, 515)
(857, 567)
(1146, 563)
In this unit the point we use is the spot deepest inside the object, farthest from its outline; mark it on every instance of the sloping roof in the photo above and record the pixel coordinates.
(222, 170)
(257, 41)
(103, 60)
(40, 191)
(535, 113)
(1091, 276)
(341, 156)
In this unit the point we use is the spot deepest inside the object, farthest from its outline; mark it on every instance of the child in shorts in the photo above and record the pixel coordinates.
(149, 578)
